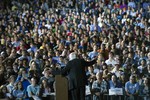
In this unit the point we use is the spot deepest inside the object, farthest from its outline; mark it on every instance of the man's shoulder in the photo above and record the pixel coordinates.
(107, 61)
(74, 60)
(128, 83)
(42, 78)
(29, 87)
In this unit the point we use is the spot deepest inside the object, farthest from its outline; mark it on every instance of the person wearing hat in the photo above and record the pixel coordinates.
(75, 72)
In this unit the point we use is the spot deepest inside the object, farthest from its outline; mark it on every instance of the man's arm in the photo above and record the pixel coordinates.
(126, 90)
(88, 63)
(30, 94)
(137, 89)
(65, 69)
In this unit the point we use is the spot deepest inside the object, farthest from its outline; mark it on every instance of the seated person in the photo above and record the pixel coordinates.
(4, 93)
(24, 78)
(45, 90)
(19, 92)
(114, 83)
(132, 88)
(49, 77)
(145, 89)
(33, 90)
(99, 87)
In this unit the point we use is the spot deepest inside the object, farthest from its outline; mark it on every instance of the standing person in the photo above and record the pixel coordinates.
(75, 72)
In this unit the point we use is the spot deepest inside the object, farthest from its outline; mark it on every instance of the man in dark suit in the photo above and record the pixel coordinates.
(75, 72)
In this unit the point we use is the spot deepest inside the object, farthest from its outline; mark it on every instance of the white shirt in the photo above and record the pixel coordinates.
(123, 20)
(133, 14)
(10, 87)
(99, 20)
(110, 62)
(116, 72)
(48, 26)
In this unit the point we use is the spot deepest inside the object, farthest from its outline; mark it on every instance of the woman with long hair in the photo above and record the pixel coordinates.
(145, 89)
(45, 90)
(19, 92)
(4, 93)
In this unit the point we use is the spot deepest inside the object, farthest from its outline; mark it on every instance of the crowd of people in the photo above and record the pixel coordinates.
(36, 37)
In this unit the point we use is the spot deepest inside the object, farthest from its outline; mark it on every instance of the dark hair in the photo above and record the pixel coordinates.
(21, 85)
(133, 66)
(148, 78)
(132, 76)
(2, 95)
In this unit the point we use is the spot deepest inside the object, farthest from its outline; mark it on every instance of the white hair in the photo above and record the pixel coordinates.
(72, 56)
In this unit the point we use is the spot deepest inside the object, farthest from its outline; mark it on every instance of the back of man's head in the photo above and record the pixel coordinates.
(72, 56)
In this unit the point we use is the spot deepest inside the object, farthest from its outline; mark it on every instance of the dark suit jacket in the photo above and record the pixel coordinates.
(75, 72)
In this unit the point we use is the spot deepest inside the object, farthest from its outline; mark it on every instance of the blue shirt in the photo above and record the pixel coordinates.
(19, 93)
(32, 49)
(25, 82)
(112, 85)
(92, 54)
(33, 89)
(92, 27)
(132, 87)
(55, 59)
